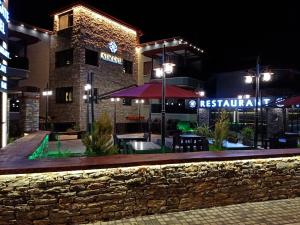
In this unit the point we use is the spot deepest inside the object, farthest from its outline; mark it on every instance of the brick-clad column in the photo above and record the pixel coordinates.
(30, 104)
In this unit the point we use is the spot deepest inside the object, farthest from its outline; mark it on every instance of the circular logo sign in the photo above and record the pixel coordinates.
(113, 47)
(279, 102)
(192, 104)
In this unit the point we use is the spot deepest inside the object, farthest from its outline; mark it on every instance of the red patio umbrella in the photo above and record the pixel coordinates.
(154, 91)
(291, 101)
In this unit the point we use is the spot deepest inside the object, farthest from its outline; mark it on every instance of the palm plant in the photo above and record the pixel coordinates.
(221, 129)
(100, 142)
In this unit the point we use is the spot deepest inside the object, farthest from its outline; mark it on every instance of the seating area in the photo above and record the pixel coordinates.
(281, 141)
(179, 142)
(189, 142)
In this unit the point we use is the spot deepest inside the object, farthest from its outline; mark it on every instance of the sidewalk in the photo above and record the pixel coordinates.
(277, 212)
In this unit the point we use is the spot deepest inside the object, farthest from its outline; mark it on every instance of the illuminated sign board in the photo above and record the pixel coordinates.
(192, 104)
(4, 19)
(4, 12)
(3, 67)
(3, 85)
(111, 58)
(233, 103)
(3, 50)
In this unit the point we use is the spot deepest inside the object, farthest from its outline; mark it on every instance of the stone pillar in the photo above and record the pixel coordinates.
(274, 121)
(203, 117)
(30, 105)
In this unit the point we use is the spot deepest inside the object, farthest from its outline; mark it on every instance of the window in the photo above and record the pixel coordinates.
(91, 57)
(126, 101)
(64, 58)
(127, 66)
(65, 20)
(64, 95)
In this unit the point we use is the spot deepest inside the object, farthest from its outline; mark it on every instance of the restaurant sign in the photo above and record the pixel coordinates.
(233, 103)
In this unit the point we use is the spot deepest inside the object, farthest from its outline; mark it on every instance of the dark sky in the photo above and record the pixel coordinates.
(231, 32)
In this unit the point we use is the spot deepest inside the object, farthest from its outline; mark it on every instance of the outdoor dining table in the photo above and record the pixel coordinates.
(125, 138)
(130, 137)
(142, 147)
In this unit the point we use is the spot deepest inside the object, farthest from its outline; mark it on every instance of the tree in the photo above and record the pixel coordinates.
(221, 129)
(100, 142)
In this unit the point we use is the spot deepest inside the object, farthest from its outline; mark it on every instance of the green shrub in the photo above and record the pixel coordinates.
(232, 137)
(100, 142)
(184, 126)
(204, 131)
(247, 136)
(221, 129)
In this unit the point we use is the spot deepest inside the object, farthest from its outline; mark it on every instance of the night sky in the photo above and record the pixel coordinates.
(232, 33)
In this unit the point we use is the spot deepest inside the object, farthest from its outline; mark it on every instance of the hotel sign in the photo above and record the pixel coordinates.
(111, 58)
(233, 103)
(113, 47)
(4, 19)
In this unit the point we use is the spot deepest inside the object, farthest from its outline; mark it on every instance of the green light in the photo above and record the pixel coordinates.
(40, 150)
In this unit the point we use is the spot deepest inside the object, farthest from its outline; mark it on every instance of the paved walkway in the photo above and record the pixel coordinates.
(277, 212)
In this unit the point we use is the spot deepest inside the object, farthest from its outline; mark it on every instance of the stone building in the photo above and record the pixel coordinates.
(88, 41)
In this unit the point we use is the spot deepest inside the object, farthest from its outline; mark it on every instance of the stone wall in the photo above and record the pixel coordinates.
(106, 194)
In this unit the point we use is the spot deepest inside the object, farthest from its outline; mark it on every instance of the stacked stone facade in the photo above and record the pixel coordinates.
(106, 194)
(92, 31)
(30, 104)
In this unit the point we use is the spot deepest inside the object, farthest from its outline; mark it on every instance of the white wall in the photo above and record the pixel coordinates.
(38, 56)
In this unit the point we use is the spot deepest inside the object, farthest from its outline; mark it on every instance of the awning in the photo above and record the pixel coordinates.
(154, 91)
(291, 101)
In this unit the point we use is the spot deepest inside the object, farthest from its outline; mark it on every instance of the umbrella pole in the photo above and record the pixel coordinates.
(163, 107)
(149, 122)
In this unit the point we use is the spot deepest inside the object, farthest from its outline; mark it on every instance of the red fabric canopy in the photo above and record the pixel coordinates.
(291, 101)
(154, 91)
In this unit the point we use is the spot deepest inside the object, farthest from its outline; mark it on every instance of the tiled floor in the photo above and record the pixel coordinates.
(277, 212)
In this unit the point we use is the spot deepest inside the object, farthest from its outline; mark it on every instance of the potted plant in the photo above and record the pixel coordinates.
(247, 136)
(204, 131)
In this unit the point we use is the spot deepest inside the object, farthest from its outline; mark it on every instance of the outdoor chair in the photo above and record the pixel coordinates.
(146, 136)
(176, 142)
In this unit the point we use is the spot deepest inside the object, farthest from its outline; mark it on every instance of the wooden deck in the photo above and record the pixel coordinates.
(13, 158)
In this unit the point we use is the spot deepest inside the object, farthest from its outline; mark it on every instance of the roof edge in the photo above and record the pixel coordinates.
(98, 11)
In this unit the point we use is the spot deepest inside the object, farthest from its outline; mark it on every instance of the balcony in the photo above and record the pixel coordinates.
(19, 63)
(18, 68)
(186, 82)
